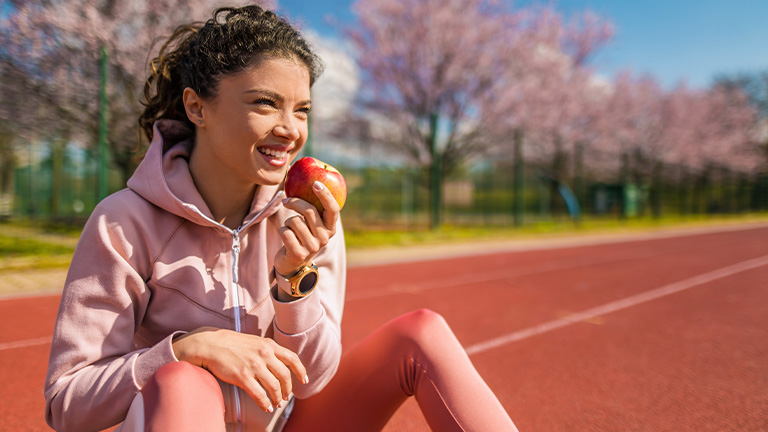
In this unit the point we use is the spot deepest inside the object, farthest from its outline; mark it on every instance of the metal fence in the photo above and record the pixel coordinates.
(61, 184)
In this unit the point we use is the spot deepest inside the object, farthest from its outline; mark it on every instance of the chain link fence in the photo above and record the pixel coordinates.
(59, 184)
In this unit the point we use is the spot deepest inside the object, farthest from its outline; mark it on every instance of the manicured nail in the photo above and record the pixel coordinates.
(281, 404)
(306, 379)
(318, 185)
(285, 200)
(270, 409)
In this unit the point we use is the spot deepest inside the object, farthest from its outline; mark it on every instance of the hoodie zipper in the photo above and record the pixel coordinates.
(236, 305)
(235, 279)
(235, 289)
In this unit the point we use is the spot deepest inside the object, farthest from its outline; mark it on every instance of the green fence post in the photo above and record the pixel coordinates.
(519, 178)
(103, 159)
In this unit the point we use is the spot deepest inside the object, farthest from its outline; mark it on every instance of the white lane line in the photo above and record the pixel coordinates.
(25, 343)
(558, 323)
(477, 279)
(619, 304)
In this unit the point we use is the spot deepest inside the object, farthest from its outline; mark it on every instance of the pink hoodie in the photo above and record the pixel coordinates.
(151, 262)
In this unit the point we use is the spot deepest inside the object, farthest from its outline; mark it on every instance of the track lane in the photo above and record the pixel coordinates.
(694, 361)
(540, 289)
(595, 313)
(527, 288)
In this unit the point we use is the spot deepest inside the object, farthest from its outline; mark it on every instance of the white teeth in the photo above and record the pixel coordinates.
(273, 153)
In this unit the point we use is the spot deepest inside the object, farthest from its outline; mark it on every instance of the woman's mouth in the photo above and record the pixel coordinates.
(274, 157)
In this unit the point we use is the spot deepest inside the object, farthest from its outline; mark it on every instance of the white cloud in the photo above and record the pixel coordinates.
(335, 90)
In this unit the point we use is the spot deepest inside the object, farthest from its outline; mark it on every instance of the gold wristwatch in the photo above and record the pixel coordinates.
(300, 283)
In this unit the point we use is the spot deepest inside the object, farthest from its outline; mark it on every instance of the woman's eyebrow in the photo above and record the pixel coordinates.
(270, 94)
(275, 96)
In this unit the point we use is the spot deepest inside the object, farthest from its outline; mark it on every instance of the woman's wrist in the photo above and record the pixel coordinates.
(183, 344)
(294, 286)
(284, 297)
(177, 346)
(286, 272)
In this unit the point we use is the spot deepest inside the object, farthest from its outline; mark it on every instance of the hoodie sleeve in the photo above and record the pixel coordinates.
(94, 370)
(311, 326)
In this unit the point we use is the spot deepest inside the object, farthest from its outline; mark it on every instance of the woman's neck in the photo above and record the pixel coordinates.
(228, 200)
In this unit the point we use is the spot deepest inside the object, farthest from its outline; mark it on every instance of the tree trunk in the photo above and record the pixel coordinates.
(519, 179)
(58, 147)
(742, 194)
(7, 167)
(435, 176)
(556, 204)
(682, 190)
(579, 184)
(7, 164)
(624, 180)
(656, 189)
(702, 193)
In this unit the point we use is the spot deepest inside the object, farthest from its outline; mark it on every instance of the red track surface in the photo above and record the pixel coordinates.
(691, 360)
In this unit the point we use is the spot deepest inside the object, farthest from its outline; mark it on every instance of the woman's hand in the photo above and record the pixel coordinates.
(304, 235)
(258, 365)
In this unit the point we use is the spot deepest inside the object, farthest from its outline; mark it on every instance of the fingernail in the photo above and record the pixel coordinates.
(318, 185)
(281, 404)
(306, 379)
(285, 200)
(270, 409)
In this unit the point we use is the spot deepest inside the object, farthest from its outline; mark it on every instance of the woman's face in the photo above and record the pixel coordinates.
(257, 122)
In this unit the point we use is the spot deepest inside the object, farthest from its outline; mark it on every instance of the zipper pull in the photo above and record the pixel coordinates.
(235, 255)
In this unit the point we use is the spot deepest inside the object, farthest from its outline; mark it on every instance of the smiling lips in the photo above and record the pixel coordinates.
(274, 157)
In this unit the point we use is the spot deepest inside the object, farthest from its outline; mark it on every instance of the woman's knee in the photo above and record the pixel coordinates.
(184, 379)
(181, 396)
(422, 325)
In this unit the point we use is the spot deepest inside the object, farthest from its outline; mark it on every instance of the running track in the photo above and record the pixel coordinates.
(664, 334)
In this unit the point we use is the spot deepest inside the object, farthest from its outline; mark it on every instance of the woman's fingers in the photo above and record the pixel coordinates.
(269, 382)
(330, 214)
(308, 239)
(331, 207)
(256, 391)
(300, 246)
(311, 219)
(292, 255)
(291, 360)
(305, 234)
(258, 365)
(228, 365)
(307, 211)
(283, 375)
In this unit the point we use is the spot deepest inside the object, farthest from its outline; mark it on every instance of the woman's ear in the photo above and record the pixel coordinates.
(193, 105)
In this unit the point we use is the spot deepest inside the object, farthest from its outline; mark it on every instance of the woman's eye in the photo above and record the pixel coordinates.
(264, 101)
(304, 110)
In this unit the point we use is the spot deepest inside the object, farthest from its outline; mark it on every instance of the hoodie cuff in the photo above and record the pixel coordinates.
(152, 359)
(296, 316)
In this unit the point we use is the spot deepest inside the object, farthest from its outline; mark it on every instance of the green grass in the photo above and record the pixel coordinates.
(25, 246)
(362, 238)
(29, 246)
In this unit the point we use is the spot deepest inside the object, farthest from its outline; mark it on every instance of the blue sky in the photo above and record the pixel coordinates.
(671, 40)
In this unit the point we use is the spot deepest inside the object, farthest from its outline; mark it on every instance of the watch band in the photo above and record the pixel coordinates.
(301, 283)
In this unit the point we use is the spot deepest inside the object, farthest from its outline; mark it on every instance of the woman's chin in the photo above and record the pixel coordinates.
(270, 179)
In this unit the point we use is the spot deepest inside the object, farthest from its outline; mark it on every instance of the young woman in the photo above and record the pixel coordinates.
(201, 299)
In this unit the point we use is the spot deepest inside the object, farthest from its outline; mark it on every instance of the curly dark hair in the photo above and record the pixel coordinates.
(198, 55)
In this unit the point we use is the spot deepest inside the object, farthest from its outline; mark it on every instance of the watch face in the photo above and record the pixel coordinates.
(308, 282)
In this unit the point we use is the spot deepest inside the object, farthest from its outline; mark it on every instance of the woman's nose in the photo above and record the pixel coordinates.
(287, 128)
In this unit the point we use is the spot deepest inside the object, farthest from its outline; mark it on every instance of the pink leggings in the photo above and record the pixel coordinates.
(416, 354)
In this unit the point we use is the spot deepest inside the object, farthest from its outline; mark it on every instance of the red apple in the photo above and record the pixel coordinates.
(305, 171)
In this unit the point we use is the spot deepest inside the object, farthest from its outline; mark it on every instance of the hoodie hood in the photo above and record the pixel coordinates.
(163, 178)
